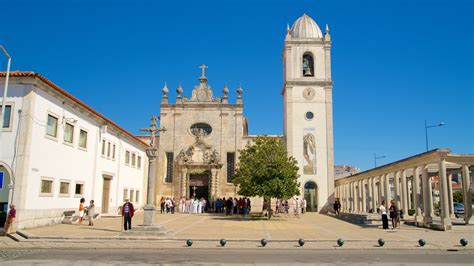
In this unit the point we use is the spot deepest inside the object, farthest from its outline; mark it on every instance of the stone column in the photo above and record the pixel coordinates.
(359, 194)
(356, 198)
(427, 196)
(149, 209)
(387, 192)
(444, 204)
(213, 184)
(348, 197)
(364, 196)
(404, 203)
(450, 196)
(371, 185)
(416, 203)
(184, 181)
(396, 188)
(467, 196)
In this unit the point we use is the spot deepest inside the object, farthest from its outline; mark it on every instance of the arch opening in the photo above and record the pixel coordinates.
(308, 65)
(311, 196)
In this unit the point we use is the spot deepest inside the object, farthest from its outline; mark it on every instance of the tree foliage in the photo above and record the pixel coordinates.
(265, 170)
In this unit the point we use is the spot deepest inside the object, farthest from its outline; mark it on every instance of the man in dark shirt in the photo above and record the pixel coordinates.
(127, 213)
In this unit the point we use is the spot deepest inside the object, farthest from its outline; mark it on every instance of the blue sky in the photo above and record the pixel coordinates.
(395, 63)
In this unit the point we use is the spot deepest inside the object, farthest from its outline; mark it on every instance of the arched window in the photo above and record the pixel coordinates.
(308, 65)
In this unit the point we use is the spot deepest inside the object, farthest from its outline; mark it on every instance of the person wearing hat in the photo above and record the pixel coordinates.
(10, 219)
(127, 213)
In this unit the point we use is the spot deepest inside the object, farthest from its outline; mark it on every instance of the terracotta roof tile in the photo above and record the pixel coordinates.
(19, 74)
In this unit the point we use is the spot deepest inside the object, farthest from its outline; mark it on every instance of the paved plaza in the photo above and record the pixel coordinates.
(319, 231)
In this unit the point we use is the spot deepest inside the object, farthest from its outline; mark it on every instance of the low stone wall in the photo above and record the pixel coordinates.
(36, 218)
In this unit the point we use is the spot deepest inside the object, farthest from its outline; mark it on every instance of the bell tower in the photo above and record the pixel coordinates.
(307, 108)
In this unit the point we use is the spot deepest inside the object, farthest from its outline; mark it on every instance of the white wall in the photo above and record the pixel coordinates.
(56, 160)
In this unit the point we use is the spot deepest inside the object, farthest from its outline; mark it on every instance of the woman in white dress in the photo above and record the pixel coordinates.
(199, 208)
(195, 205)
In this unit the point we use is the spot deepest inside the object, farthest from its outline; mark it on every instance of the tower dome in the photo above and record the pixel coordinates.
(305, 27)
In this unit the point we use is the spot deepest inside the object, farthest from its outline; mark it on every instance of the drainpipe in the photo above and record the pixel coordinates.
(4, 99)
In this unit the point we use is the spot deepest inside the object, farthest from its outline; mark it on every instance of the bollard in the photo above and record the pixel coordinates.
(340, 242)
(223, 242)
(263, 242)
(381, 242)
(463, 242)
(189, 242)
(301, 242)
(422, 242)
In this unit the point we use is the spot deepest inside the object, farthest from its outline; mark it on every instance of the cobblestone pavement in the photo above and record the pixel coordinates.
(319, 231)
(237, 257)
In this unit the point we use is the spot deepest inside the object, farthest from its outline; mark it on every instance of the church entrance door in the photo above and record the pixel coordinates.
(199, 185)
(310, 195)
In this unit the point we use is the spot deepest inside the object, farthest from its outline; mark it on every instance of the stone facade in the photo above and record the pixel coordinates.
(201, 133)
(203, 130)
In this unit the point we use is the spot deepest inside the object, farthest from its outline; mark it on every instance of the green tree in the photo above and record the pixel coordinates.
(265, 170)
(457, 196)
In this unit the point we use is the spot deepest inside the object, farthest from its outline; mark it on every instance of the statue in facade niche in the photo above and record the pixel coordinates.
(309, 154)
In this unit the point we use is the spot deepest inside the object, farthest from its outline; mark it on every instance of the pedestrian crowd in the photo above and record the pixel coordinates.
(195, 205)
(293, 206)
(86, 211)
(393, 213)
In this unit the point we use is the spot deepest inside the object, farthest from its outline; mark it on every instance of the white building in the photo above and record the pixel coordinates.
(55, 150)
(307, 108)
(341, 171)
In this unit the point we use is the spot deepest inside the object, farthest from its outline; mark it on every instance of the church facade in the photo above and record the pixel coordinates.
(199, 150)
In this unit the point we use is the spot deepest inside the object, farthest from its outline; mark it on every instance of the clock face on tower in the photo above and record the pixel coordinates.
(309, 93)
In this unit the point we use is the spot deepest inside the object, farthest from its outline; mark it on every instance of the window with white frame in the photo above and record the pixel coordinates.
(108, 149)
(64, 188)
(103, 147)
(79, 189)
(83, 139)
(68, 133)
(7, 116)
(52, 126)
(113, 152)
(127, 157)
(139, 161)
(132, 195)
(134, 158)
(137, 196)
(125, 194)
(46, 186)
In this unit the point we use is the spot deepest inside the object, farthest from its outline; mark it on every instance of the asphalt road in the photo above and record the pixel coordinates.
(232, 256)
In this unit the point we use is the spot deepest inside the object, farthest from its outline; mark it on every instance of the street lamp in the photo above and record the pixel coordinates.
(378, 157)
(4, 91)
(426, 131)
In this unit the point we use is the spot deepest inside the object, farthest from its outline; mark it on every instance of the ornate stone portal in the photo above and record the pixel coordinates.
(199, 167)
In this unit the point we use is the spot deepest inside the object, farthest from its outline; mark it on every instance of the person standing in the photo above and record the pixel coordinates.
(249, 206)
(127, 213)
(393, 212)
(82, 210)
(305, 205)
(337, 206)
(173, 205)
(162, 204)
(182, 205)
(91, 212)
(383, 211)
(10, 219)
